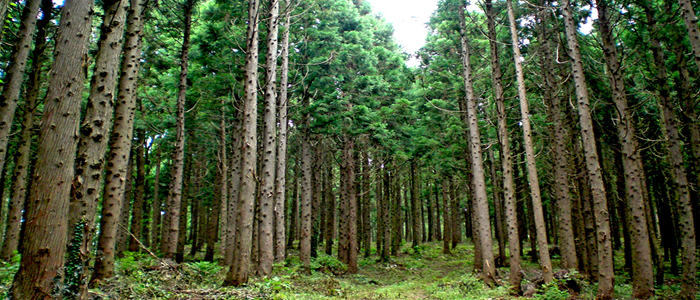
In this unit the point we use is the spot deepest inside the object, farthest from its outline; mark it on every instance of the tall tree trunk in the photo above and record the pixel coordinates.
(561, 156)
(605, 264)
(482, 209)
(23, 156)
(447, 222)
(267, 184)
(171, 230)
(189, 179)
(415, 206)
(281, 176)
(349, 157)
(533, 179)
(139, 192)
(238, 272)
(233, 201)
(386, 215)
(122, 235)
(120, 143)
(45, 236)
(157, 208)
(305, 199)
(642, 269)
(219, 208)
(367, 235)
(497, 208)
(15, 71)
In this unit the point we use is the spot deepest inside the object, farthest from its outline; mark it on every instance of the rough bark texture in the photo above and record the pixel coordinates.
(232, 211)
(533, 179)
(15, 71)
(120, 143)
(447, 222)
(23, 156)
(642, 269)
(561, 156)
(281, 176)
(348, 157)
(239, 270)
(605, 264)
(171, 228)
(157, 208)
(479, 183)
(267, 184)
(45, 237)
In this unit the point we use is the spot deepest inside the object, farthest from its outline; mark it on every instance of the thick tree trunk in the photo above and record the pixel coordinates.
(188, 180)
(15, 71)
(233, 201)
(348, 154)
(119, 144)
(642, 269)
(45, 236)
(481, 203)
(533, 179)
(239, 270)
(305, 199)
(23, 156)
(605, 264)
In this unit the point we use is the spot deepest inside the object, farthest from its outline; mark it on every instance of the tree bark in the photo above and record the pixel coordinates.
(120, 143)
(642, 269)
(605, 264)
(533, 179)
(415, 206)
(139, 193)
(267, 184)
(219, 208)
(157, 208)
(45, 236)
(15, 71)
(239, 270)
(23, 156)
(172, 228)
(281, 176)
(482, 209)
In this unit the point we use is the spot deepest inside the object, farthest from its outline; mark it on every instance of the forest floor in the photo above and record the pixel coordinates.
(422, 273)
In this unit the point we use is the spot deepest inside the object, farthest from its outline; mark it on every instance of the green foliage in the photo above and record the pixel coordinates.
(8, 270)
(551, 291)
(327, 263)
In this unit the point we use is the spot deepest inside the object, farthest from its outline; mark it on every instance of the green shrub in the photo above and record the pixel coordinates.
(551, 291)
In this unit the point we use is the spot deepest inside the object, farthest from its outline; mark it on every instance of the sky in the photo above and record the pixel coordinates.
(409, 18)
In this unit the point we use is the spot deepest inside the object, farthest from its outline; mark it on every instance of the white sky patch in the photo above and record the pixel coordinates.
(409, 18)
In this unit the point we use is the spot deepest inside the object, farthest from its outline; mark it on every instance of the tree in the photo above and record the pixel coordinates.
(267, 184)
(533, 179)
(238, 271)
(15, 73)
(642, 270)
(118, 158)
(604, 253)
(479, 184)
(46, 228)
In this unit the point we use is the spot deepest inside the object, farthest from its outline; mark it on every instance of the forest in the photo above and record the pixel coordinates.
(268, 149)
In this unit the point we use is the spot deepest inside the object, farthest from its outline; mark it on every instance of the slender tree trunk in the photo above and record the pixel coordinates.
(188, 180)
(447, 222)
(642, 269)
(219, 208)
(23, 156)
(498, 207)
(122, 235)
(172, 228)
(239, 270)
(139, 193)
(561, 156)
(15, 71)
(415, 206)
(305, 203)
(482, 209)
(119, 144)
(157, 203)
(267, 184)
(366, 172)
(281, 176)
(509, 205)
(533, 179)
(351, 199)
(386, 215)
(233, 201)
(605, 264)
(45, 236)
